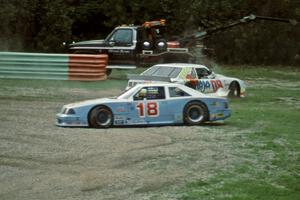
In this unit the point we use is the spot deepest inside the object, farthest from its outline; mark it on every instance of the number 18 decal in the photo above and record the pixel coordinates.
(152, 109)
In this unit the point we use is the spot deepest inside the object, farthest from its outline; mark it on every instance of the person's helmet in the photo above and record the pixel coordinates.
(143, 93)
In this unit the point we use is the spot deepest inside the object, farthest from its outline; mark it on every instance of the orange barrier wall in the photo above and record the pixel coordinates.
(87, 67)
(48, 66)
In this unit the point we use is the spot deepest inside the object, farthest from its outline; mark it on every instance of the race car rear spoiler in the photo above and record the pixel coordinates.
(148, 78)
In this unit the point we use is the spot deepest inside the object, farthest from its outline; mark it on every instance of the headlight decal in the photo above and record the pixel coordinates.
(70, 111)
(215, 104)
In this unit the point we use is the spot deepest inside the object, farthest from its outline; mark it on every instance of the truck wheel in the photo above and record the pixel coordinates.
(101, 117)
(195, 113)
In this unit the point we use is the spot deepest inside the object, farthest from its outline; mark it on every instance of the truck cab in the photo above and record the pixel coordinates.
(120, 45)
(129, 46)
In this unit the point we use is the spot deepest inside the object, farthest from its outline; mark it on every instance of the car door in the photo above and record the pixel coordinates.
(122, 46)
(177, 99)
(206, 82)
(149, 106)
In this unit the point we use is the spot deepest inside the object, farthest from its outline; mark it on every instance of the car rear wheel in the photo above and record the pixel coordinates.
(234, 90)
(100, 117)
(195, 113)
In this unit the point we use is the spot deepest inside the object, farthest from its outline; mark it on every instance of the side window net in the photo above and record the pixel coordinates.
(150, 93)
(177, 92)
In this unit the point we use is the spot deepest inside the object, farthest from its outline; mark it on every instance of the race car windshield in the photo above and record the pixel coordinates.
(162, 71)
(127, 93)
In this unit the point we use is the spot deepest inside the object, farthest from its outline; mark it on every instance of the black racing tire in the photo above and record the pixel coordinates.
(234, 90)
(101, 117)
(195, 113)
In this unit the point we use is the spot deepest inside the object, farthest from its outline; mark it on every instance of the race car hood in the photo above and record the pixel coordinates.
(93, 102)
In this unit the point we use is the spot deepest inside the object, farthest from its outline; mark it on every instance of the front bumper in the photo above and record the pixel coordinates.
(219, 115)
(64, 120)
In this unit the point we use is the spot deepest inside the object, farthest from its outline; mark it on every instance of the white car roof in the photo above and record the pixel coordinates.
(181, 65)
(187, 89)
(159, 84)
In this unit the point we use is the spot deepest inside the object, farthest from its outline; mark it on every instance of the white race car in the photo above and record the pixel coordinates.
(195, 76)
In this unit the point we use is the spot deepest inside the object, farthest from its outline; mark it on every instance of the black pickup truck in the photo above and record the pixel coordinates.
(129, 46)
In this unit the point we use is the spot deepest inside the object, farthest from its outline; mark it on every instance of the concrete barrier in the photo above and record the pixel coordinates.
(80, 67)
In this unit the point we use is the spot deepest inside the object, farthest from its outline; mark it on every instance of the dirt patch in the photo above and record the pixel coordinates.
(41, 161)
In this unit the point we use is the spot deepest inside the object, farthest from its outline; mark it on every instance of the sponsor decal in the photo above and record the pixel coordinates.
(119, 51)
(135, 121)
(120, 109)
(213, 85)
(220, 114)
(119, 120)
(215, 104)
(216, 116)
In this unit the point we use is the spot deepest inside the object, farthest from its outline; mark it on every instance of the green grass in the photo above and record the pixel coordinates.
(245, 72)
(268, 164)
(118, 79)
(266, 123)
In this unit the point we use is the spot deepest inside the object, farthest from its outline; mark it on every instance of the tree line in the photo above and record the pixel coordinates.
(43, 25)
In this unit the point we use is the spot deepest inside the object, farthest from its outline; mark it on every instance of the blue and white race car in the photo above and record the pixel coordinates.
(146, 104)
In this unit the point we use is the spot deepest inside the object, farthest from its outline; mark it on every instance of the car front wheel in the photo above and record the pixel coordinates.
(100, 117)
(195, 113)
(234, 90)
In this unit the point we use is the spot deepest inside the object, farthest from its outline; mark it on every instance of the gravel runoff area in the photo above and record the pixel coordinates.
(41, 161)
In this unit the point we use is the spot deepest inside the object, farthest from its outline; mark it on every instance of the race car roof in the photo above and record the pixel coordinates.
(185, 88)
(181, 65)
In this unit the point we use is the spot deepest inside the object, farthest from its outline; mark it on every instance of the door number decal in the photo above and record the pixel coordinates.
(151, 108)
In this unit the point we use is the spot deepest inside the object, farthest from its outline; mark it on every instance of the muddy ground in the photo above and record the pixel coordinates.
(41, 161)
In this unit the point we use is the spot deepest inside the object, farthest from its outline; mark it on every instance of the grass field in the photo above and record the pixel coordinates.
(255, 154)
(268, 146)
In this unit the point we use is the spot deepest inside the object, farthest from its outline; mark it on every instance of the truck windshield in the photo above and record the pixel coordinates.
(163, 71)
(122, 36)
